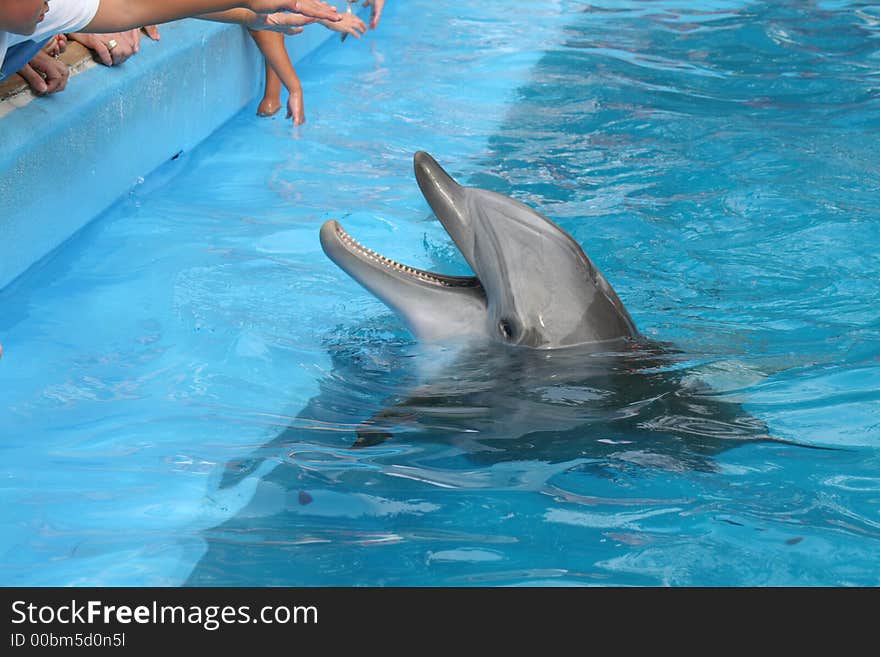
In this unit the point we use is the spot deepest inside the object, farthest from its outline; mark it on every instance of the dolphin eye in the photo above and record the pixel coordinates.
(507, 329)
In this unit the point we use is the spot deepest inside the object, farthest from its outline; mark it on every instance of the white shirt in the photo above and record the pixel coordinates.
(63, 16)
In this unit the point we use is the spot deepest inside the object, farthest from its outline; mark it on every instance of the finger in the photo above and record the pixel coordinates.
(54, 83)
(34, 80)
(118, 54)
(63, 75)
(56, 76)
(293, 30)
(123, 51)
(62, 82)
(136, 40)
(152, 31)
(52, 48)
(61, 43)
(103, 54)
(132, 41)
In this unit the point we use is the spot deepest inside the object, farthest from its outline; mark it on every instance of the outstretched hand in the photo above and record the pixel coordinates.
(350, 24)
(312, 8)
(281, 22)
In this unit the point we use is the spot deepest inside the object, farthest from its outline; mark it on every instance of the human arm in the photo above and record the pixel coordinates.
(119, 15)
(278, 22)
(272, 47)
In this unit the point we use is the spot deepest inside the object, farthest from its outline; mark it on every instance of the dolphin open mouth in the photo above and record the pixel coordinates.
(334, 237)
(420, 297)
(533, 285)
(379, 273)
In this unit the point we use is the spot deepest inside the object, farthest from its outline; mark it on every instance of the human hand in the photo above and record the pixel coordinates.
(281, 22)
(350, 24)
(376, 14)
(56, 45)
(45, 75)
(100, 44)
(296, 108)
(311, 8)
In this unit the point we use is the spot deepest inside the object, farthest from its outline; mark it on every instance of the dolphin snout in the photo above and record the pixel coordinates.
(424, 164)
(438, 187)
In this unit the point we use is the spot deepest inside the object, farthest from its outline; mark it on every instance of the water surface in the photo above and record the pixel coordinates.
(183, 380)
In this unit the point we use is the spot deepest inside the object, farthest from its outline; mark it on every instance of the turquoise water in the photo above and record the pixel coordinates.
(182, 381)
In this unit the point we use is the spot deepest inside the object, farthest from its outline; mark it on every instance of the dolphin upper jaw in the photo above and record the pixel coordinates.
(450, 202)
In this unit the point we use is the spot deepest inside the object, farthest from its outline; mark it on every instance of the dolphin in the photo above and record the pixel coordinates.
(546, 361)
(530, 369)
(534, 285)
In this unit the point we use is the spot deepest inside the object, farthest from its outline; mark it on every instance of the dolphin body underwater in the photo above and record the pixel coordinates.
(541, 360)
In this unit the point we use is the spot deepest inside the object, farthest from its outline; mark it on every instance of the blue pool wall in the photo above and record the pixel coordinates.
(65, 158)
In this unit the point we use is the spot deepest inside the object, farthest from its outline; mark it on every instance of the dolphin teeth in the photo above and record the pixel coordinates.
(421, 274)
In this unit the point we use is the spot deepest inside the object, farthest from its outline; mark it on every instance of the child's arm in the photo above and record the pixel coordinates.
(119, 15)
(271, 45)
(285, 23)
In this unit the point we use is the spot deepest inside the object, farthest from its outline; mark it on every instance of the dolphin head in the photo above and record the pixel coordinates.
(534, 285)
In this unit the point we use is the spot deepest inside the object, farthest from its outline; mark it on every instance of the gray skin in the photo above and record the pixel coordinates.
(534, 285)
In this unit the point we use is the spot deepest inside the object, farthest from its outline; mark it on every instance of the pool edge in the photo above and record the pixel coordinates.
(113, 126)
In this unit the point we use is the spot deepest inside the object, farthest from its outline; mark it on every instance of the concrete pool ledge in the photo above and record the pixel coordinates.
(65, 158)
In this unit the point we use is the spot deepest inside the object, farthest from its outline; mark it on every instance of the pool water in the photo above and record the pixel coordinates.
(182, 381)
